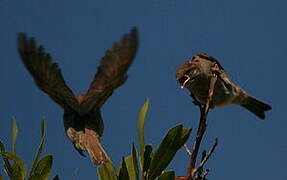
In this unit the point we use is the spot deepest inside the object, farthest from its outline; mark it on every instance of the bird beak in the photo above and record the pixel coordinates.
(186, 78)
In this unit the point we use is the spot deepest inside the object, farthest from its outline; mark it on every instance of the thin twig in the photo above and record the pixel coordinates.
(200, 166)
(200, 170)
(201, 128)
(187, 149)
(199, 135)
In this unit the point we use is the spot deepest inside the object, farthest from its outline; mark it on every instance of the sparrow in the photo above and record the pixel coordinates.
(82, 113)
(195, 75)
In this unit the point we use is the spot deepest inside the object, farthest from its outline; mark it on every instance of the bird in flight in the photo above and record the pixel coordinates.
(195, 75)
(82, 113)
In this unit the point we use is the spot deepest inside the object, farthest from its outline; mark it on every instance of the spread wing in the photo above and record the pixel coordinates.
(45, 72)
(112, 71)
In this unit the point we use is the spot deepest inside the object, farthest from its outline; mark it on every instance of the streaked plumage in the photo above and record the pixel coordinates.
(195, 75)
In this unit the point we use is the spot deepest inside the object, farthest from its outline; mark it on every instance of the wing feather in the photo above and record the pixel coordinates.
(112, 71)
(45, 72)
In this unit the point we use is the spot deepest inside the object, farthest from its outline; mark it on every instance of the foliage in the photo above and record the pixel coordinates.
(147, 164)
(15, 168)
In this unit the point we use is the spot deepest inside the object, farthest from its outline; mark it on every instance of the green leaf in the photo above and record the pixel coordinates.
(18, 168)
(172, 142)
(141, 121)
(11, 156)
(147, 159)
(184, 136)
(130, 167)
(40, 147)
(7, 165)
(133, 166)
(123, 174)
(136, 163)
(107, 172)
(43, 168)
(14, 134)
(167, 175)
(43, 128)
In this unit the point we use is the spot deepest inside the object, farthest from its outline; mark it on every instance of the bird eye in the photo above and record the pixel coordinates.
(196, 60)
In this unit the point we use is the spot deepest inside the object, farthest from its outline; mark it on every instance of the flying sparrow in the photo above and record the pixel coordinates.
(195, 75)
(82, 113)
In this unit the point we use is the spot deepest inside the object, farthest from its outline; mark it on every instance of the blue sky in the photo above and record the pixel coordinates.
(247, 36)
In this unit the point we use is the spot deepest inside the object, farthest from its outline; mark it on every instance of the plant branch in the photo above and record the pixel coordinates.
(204, 109)
(188, 151)
(207, 156)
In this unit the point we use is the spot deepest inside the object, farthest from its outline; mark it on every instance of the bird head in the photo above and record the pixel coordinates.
(199, 64)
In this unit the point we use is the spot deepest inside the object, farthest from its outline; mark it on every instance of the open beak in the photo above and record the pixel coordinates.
(187, 79)
(183, 80)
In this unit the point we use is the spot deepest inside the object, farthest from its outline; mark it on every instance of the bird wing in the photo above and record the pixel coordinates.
(210, 58)
(45, 72)
(219, 70)
(112, 71)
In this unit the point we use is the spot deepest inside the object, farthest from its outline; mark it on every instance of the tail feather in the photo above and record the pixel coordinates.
(256, 106)
(93, 146)
(88, 140)
(97, 153)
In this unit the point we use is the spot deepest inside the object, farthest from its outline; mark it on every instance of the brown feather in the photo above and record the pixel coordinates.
(112, 71)
(45, 72)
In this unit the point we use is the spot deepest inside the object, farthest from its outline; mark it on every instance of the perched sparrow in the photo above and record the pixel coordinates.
(82, 115)
(195, 75)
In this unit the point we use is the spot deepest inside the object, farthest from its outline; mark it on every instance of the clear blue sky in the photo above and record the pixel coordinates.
(247, 36)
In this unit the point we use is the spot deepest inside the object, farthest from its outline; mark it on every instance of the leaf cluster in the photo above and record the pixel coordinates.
(14, 166)
(144, 162)
(147, 164)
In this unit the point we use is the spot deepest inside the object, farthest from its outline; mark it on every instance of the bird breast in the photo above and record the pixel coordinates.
(223, 94)
(92, 120)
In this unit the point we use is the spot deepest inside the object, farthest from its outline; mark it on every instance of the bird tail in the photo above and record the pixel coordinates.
(256, 106)
(93, 146)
